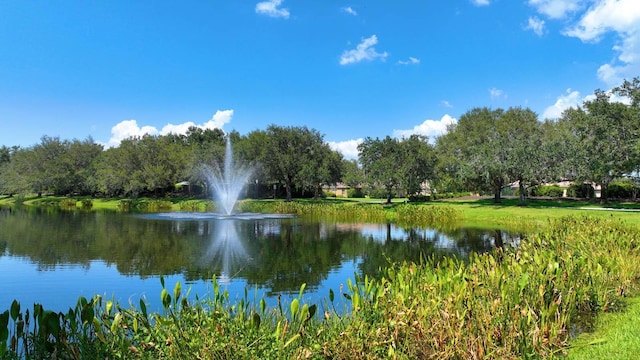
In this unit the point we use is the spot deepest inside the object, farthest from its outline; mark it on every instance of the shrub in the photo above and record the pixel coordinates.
(67, 203)
(378, 194)
(581, 191)
(18, 200)
(87, 204)
(419, 198)
(125, 205)
(450, 195)
(190, 205)
(547, 190)
(154, 205)
(355, 193)
(622, 189)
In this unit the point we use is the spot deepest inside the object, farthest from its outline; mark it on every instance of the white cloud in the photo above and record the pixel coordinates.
(621, 17)
(271, 8)
(536, 25)
(349, 10)
(219, 119)
(364, 51)
(348, 148)
(557, 9)
(480, 2)
(497, 93)
(177, 129)
(445, 103)
(429, 128)
(591, 20)
(411, 60)
(128, 128)
(569, 100)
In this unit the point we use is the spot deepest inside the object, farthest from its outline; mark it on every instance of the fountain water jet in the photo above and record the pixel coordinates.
(227, 181)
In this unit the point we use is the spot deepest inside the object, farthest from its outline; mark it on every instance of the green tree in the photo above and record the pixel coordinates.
(475, 151)
(521, 135)
(418, 163)
(382, 163)
(206, 148)
(6, 169)
(287, 153)
(352, 174)
(147, 164)
(78, 164)
(605, 137)
(324, 167)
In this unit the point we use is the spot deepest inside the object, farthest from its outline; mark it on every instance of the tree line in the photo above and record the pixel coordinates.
(485, 151)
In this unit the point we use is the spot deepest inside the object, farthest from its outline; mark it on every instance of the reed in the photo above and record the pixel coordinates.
(67, 203)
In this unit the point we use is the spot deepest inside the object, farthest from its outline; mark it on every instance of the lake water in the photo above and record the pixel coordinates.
(52, 257)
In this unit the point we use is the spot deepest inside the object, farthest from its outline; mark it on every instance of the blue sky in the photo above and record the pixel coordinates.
(350, 69)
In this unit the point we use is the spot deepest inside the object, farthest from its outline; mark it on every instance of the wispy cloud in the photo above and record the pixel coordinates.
(497, 93)
(349, 10)
(480, 2)
(128, 128)
(348, 148)
(557, 9)
(536, 25)
(411, 60)
(430, 128)
(272, 8)
(364, 51)
(445, 103)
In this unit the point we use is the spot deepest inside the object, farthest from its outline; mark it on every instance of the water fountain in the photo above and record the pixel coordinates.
(228, 181)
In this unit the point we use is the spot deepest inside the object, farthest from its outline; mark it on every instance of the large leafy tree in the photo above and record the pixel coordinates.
(53, 165)
(418, 163)
(605, 136)
(287, 154)
(8, 179)
(522, 134)
(323, 168)
(489, 149)
(381, 161)
(151, 164)
(352, 174)
(475, 152)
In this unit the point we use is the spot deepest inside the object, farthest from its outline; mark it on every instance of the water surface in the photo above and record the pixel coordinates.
(52, 257)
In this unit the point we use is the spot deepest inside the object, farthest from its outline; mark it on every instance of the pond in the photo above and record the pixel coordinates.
(51, 257)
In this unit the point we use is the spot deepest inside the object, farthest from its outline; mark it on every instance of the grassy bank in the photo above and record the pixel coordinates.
(615, 336)
(479, 212)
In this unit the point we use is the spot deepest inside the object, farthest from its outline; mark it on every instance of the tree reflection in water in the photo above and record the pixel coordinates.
(276, 255)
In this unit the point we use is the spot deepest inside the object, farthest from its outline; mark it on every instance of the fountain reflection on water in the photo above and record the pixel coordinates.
(225, 248)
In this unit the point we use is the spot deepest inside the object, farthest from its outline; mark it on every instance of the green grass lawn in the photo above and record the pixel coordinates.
(616, 336)
(483, 212)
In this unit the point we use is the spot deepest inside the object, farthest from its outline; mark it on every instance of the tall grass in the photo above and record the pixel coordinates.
(403, 214)
(146, 205)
